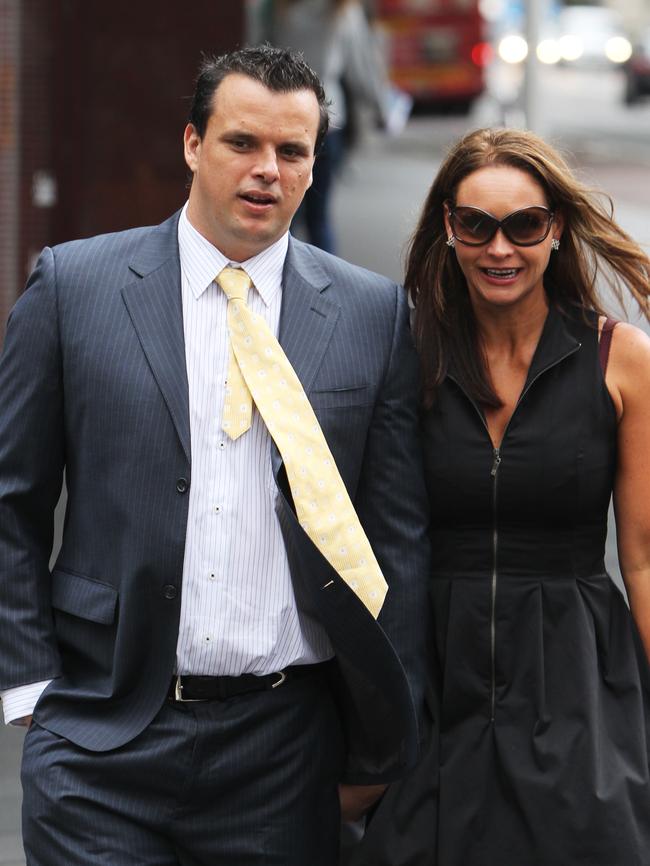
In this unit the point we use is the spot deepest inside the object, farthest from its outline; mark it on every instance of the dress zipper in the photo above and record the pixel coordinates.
(496, 462)
(493, 591)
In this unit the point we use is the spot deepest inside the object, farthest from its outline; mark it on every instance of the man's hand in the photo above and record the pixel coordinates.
(24, 722)
(357, 799)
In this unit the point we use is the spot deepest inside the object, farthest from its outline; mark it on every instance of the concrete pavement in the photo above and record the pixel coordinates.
(11, 851)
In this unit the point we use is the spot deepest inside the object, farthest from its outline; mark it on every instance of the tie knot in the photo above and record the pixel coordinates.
(235, 282)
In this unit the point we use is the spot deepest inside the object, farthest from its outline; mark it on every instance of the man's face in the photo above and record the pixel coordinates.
(253, 165)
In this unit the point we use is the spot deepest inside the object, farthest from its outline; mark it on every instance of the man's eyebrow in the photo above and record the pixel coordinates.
(297, 145)
(236, 133)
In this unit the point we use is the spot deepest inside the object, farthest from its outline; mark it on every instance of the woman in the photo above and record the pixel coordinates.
(540, 754)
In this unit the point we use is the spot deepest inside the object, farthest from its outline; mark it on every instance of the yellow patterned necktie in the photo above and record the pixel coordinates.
(259, 367)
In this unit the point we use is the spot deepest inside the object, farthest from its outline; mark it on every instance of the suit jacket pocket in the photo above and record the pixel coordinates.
(340, 398)
(83, 597)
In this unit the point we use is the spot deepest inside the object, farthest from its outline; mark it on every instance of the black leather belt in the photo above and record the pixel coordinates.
(196, 688)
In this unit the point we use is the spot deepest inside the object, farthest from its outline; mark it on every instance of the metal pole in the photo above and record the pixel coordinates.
(531, 71)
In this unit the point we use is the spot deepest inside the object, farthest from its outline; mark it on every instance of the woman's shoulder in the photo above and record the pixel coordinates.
(629, 342)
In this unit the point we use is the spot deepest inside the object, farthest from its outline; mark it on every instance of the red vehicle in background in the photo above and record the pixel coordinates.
(435, 50)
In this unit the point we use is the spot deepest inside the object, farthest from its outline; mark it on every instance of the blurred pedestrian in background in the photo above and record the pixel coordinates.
(336, 40)
(536, 406)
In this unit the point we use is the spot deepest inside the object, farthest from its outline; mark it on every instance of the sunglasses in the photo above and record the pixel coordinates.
(524, 228)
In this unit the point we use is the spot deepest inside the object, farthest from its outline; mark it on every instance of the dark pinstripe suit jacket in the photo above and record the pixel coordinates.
(93, 379)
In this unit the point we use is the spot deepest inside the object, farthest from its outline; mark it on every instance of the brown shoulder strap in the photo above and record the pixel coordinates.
(606, 342)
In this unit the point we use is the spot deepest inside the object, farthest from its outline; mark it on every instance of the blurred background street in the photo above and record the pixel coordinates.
(582, 109)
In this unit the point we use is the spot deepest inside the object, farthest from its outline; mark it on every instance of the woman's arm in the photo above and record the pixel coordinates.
(628, 381)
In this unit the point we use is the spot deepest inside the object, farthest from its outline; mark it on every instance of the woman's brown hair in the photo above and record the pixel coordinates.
(593, 249)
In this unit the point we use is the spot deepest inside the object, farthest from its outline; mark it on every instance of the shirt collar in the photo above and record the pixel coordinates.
(201, 262)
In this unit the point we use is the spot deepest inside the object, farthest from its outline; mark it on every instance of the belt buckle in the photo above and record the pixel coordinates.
(281, 678)
(178, 693)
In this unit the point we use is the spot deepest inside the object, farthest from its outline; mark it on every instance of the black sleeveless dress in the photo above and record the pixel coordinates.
(541, 698)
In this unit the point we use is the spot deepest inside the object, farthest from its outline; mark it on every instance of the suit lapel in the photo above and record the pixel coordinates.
(308, 318)
(154, 304)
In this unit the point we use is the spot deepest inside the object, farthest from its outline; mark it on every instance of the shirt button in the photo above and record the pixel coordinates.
(170, 591)
(182, 484)
(217, 509)
(222, 445)
(212, 575)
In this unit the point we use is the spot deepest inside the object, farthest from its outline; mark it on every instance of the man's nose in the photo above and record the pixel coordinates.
(266, 166)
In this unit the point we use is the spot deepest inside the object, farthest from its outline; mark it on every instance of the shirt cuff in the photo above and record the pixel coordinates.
(20, 701)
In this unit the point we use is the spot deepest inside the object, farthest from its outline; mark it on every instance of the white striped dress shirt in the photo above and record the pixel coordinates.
(238, 610)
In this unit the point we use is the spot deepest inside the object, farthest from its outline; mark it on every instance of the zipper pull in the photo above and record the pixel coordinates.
(495, 464)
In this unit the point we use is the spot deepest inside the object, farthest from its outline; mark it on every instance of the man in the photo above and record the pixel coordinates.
(201, 676)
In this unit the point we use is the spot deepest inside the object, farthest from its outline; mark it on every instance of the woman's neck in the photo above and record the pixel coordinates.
(510, 329)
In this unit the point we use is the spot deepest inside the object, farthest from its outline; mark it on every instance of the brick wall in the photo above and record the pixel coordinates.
(9, 163)
(26, 136)
(93, 101)
(36, 195)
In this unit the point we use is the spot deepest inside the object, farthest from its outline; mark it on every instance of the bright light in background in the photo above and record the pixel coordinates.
(618, 49)
(492, 10)
(513, 49)
(548, 51)
(571, 47)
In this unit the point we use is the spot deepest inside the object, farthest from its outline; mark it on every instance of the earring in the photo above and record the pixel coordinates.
(555, 244)
(451, 242)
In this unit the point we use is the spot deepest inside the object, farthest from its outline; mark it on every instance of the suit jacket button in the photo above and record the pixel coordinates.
(182, 484)
(169, 590)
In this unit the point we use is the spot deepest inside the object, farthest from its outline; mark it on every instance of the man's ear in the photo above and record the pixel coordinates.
(191, 147)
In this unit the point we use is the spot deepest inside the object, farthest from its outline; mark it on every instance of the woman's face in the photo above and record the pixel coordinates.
(499, 273)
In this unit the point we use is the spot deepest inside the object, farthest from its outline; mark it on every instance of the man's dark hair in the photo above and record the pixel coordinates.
(279, 69)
